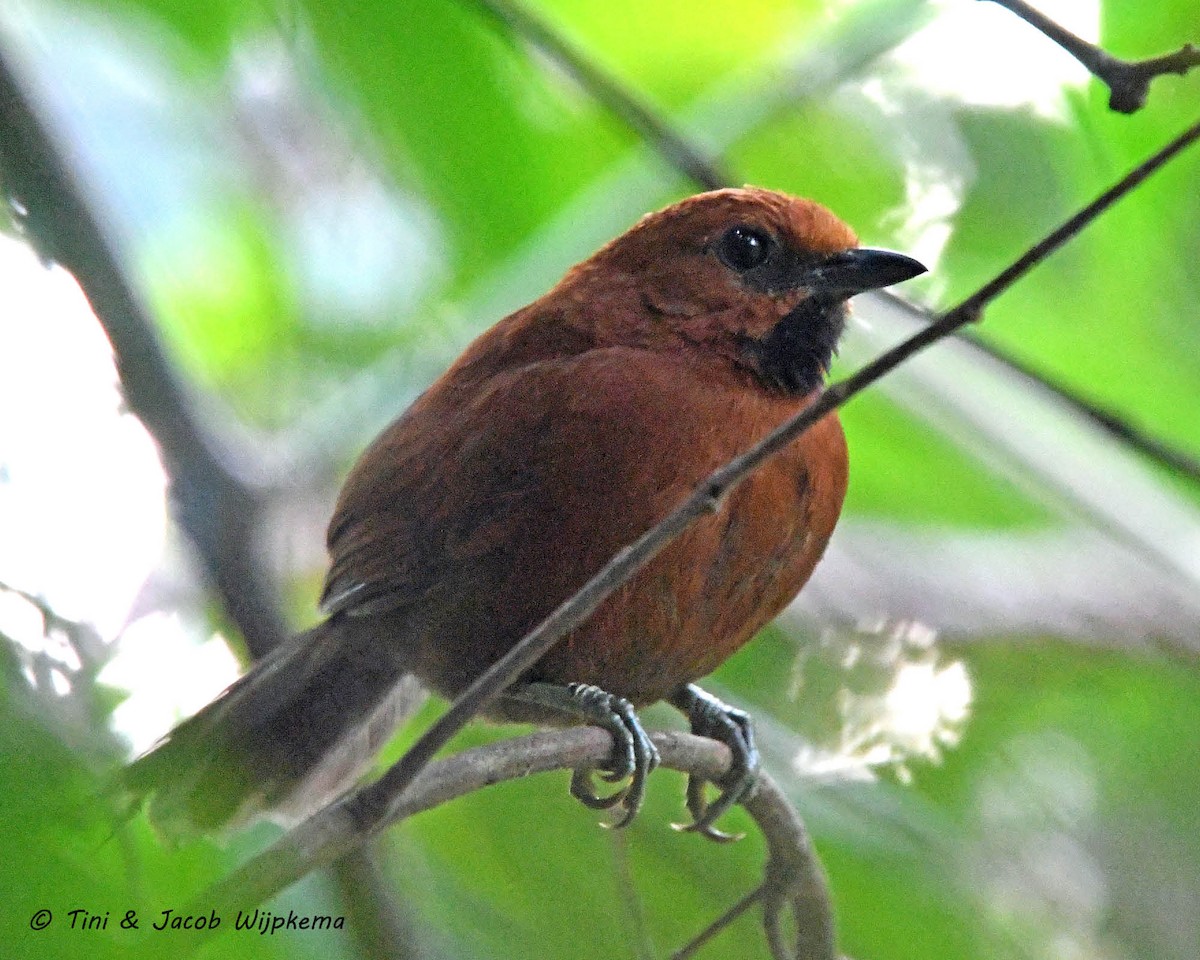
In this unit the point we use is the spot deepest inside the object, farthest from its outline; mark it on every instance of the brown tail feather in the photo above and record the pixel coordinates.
(291, 734)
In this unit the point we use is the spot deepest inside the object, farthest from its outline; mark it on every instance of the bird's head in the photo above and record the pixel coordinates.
(758, 276)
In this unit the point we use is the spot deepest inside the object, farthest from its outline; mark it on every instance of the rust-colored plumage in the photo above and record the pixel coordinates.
(560, 435)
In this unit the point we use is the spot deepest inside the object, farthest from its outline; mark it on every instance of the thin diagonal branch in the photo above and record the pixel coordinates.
(677, 150)
(216, 501)
(689, 949)
(674, 147)
(1128, 81)
(1118, 426)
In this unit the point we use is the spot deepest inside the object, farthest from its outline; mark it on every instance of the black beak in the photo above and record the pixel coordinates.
(862, 269)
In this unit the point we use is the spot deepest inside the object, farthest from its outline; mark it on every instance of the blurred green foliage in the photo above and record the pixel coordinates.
(1063, 825)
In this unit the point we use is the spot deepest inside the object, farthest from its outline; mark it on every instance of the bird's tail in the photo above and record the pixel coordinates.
(291, 734)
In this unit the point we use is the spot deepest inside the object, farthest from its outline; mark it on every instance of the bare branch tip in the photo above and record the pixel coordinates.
(1129, 82)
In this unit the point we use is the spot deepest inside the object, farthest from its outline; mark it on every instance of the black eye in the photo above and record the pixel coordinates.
(744, 248)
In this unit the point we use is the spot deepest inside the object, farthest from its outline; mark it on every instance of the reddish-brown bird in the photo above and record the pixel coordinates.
(560, 435)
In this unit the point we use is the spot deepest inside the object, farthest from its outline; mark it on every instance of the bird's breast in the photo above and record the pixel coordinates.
(707, 593)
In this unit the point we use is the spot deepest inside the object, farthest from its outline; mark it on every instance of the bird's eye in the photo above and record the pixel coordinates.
(743, 248)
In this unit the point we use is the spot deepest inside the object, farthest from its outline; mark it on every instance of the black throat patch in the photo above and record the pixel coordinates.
(797, 352)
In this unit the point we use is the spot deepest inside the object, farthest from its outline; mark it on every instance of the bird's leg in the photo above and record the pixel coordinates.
(634, 755)
(711, 718)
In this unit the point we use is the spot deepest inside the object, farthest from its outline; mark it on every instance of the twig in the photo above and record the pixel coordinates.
(84, 638)
(794, 879)
(1155, 448)
(215, 502)
(677, 150)
(372, 804)
(379, 923)
(1128, 81)
(637, 933)
(690, 948)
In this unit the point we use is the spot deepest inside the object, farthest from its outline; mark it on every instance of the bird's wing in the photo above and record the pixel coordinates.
(496, 468)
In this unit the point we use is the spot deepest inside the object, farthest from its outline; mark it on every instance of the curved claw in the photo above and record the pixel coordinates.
(718, 721)
(630, 742)
(702, 815)
(583, 791)
(706, 814)
(633, 757)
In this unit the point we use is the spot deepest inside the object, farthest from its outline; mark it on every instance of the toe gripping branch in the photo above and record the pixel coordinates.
(634, 755)
(710, 717)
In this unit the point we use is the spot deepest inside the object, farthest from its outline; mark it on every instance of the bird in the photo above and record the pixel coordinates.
(560, 435)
